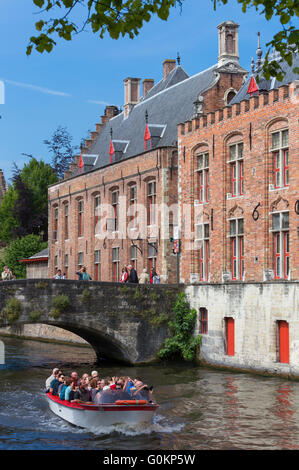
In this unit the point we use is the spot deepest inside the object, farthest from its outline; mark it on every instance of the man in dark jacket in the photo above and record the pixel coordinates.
(133, 278)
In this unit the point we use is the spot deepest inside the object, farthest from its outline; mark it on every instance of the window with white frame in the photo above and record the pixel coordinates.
(280, 153)
(97, 265)
(134, 256)
(133, 204)
(281, 244)
(203, 238)
(80, 217)
(80, 258)
(115, 264)
(66, 265)
(202, 171)
(151, 203)
(97, 209)
(55, 226)
(66, 221)
(236, 235)
(152, 257)
(115, 209)
(235, 161)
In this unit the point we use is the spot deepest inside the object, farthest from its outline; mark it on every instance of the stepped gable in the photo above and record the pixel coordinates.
(267, 85)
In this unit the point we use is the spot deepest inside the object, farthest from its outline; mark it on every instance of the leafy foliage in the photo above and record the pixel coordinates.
(12, 309)
(21, 248)
(24, 208)
(183, 344)
(126, 17)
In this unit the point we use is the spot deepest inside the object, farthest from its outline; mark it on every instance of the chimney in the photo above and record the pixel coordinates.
(228, 43)
(168, 66)
(147, 84)
(132, 94)
(111, 111)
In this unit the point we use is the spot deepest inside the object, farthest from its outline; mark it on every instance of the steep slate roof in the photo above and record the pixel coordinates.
(266, 85)
(168, 103)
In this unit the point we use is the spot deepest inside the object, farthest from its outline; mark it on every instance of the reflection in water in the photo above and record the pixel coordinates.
(199, 408)
(285, 412)
(2, 353)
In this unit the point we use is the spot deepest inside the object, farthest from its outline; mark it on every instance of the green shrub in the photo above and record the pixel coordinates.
(12, 309)
(86, 295)
(61, 303)
(55, 313)
(35, 315)
(41, 285)
(183, 344)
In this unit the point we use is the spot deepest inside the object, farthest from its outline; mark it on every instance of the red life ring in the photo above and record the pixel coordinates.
(131, 402)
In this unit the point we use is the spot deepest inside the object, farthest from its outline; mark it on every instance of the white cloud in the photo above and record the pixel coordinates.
(36, 88)
(98, 102)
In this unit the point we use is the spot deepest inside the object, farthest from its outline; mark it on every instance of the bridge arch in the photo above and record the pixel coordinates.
(124, 323)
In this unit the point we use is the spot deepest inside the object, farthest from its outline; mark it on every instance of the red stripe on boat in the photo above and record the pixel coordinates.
(103, 406)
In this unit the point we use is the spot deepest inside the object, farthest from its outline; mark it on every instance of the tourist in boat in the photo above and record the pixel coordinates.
(82, 394)
(52, 377)
(75, 377)
(70, 390)
(96, 392)
(124, 275)
(66, 384)
(58, 380)
(84, 379)
(93, 381)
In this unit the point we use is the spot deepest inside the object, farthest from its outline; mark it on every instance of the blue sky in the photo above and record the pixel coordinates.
(71, 85)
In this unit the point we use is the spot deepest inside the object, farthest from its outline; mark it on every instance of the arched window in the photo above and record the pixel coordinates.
(201, 165)
(236, 166)
(80, 217)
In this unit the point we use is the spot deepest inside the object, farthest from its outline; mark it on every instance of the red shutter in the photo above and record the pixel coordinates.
(230, 336)
(284, 348)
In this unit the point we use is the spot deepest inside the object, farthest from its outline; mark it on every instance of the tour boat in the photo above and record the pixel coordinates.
(91, 416)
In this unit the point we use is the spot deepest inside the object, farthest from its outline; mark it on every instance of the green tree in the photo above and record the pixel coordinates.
(24, 208)
(21, 248)
(126, 17)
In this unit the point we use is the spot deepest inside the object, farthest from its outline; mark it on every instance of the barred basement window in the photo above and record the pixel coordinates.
(115, 264)
(202, 236)
(203, 321)
(202, 171)
(235, 161)
(237, 248)
(280, 153)
(97, 265)
(281, 242)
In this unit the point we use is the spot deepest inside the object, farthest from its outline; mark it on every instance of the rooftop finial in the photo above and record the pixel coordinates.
(111, 132)
(252, 65)
(178, 59)
(259, 51)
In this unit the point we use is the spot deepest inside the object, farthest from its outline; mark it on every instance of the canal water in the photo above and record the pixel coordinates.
(200, 408)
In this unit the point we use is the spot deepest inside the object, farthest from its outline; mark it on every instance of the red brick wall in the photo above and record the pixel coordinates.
(160, 165)
(262, 115)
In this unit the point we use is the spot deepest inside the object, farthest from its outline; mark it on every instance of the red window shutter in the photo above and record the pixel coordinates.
(230, 336)
(284, 347)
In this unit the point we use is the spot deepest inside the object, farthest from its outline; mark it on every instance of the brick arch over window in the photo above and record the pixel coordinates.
(280, 204)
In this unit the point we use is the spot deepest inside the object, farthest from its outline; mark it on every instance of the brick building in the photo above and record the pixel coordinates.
(119, 203)
(239, 186)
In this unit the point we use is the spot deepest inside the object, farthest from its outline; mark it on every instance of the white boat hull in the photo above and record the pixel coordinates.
(96, 416)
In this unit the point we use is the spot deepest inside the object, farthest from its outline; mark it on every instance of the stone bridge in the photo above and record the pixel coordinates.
(127, 323)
